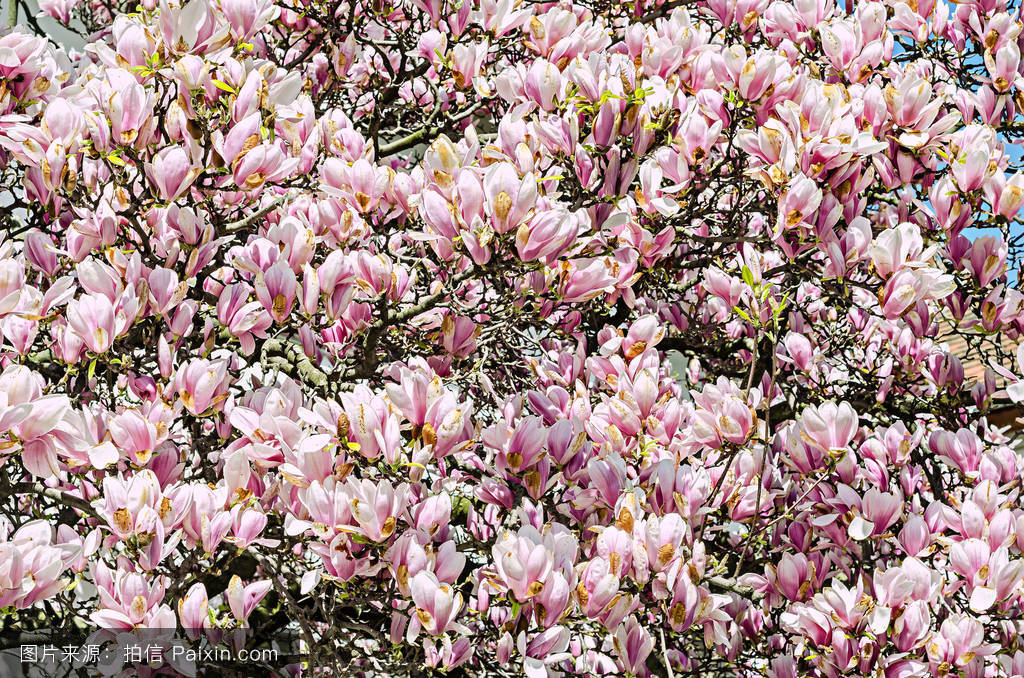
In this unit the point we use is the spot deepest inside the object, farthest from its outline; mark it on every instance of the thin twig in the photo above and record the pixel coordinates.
(276, 579)
(664, 653)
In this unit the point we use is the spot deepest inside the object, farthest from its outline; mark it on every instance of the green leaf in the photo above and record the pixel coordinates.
(92, 369)
(781, 306)
(220, 84)
(606, 95)
(748, 275)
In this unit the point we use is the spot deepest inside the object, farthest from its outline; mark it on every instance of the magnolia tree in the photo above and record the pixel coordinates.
(499, 337)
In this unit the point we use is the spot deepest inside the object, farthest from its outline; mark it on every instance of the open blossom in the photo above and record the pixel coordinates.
(633, 644)
(92, 318)
(437, 605)
(523, 563)
(247, 320)
(200, 383)
(723, 415)
(32, 565)
(376, 509)
(878, 511)
(829, 427)
(128, 601)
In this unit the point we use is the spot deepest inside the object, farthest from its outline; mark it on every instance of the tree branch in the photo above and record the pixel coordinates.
(63, 497)
(242, 224)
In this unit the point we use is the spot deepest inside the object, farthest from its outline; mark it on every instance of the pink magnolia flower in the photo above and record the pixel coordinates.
(723, 415)
(959, 643)
(30, 565)
(193, 610)
(129, 600)
(92, 318)
(437, 606)
(243, 598)
(878, 511)
(829, 427)
(508, 197)
(963, 449)
(276, 288)
(794, 577)
(263, 163)
(546, 649)
(171, 172)
(244, 319)
(246, 17)
(987, 259)
(35, 431)
(165, 289)
(201, 384)
(60, 10)
(136, 435)
(372, 426)
(247, 525)
(451, 654)
(524, 560)
(1007, 195)
(376, 508)
(634, 644)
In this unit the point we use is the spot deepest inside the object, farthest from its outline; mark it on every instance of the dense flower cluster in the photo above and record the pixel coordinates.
(545, 338)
